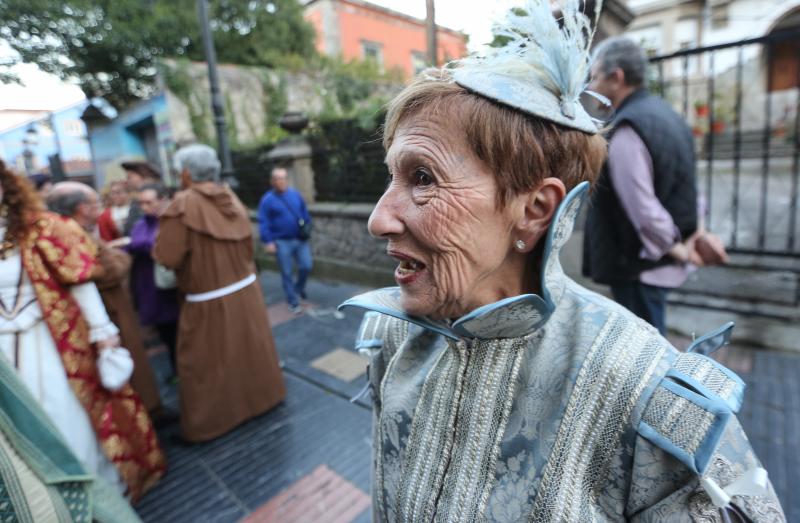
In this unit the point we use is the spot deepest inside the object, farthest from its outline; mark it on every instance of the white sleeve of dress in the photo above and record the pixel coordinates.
(94, 312)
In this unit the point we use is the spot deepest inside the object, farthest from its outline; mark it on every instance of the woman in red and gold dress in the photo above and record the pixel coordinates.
(54, 330)
(111, 222)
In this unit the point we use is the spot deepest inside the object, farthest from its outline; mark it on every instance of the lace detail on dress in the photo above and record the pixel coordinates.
(758, 508)
(701, 509)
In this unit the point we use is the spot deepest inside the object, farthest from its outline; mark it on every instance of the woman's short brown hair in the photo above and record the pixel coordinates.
(521, 150)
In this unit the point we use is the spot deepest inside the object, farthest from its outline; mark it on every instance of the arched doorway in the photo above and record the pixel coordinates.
(784, 65)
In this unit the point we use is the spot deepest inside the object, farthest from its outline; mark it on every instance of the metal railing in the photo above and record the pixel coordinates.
(748, 150)
(347, 162)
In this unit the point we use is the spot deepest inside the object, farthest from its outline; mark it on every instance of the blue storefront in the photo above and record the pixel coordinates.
(140, 132)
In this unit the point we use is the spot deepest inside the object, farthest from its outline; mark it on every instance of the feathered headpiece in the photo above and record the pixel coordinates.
(543, 69)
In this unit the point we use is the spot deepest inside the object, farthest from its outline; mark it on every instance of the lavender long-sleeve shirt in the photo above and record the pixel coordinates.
(631, 171)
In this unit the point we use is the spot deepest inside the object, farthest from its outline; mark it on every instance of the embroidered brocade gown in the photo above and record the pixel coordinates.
(559, 407)
(28, 346)
(109, 432)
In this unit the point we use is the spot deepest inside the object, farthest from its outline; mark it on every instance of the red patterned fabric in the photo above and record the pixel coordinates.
(106, 226)
(57, 253)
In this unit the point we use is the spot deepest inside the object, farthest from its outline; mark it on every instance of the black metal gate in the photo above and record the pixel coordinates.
(746, 121)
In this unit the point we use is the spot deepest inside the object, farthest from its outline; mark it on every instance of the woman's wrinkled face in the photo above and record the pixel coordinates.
(439, 213)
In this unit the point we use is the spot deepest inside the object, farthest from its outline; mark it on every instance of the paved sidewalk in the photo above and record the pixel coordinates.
(309, 456)
(309, 459)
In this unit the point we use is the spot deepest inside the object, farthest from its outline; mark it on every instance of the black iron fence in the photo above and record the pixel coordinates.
(252, 170)
(742, 100)
(347, 162)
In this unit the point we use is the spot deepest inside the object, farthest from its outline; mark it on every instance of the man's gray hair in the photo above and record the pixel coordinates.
(65, 198)
(620, 52)
(200, 160)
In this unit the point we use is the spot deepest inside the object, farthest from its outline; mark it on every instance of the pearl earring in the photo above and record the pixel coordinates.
(520, 245)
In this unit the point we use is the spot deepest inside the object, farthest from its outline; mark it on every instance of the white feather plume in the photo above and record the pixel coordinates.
(540, 50)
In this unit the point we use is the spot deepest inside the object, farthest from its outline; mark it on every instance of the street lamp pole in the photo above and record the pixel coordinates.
(216, 97)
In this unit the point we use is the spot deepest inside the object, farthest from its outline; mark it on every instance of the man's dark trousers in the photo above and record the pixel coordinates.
(646, 301)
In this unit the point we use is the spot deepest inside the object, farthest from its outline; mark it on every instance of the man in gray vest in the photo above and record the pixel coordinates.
(644, 207)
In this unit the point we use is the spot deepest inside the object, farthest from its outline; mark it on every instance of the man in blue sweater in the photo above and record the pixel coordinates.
(279, 217)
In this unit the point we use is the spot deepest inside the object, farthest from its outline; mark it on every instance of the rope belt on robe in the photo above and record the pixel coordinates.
(222, 291)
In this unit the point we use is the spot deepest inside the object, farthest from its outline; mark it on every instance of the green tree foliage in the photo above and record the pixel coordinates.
(500, 40)
(112, 47)
(353, 84)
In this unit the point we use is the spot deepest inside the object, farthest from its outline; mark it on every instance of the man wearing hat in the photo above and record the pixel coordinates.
(138, 173)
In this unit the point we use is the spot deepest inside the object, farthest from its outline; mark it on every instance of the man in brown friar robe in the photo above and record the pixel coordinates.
(81, 203)
(226, 358)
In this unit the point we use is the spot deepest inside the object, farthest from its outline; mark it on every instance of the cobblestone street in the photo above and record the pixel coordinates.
(309, 459)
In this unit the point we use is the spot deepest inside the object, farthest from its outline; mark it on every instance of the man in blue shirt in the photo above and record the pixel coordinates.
(279, 215)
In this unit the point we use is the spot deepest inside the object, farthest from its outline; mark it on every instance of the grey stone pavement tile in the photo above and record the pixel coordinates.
(228, 478)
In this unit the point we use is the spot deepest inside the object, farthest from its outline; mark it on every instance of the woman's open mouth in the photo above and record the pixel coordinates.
(408, 269)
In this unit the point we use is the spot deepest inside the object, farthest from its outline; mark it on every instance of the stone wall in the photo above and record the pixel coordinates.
(340, 233)
(254, 99)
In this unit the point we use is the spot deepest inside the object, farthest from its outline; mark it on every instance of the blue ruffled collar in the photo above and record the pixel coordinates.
(510, 317)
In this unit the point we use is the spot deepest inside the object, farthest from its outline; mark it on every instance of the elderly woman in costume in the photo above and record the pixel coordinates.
(503, 391)
(55, 332)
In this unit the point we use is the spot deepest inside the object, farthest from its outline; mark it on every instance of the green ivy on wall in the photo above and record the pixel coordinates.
(355, 91)
(350, 86)
(178, 79)
(275, 102)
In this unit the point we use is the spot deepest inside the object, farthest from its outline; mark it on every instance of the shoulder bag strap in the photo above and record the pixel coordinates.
(286, 204)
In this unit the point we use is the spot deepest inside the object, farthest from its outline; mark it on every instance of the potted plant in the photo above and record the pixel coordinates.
(701, 109)
(722, 115)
